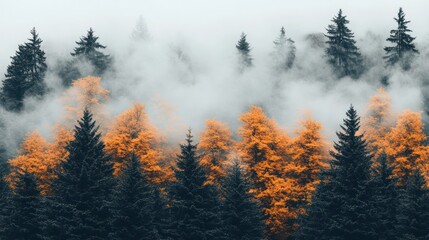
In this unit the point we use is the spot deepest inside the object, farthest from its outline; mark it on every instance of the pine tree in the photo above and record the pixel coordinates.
(88, 50)
(82, 186)
(385, 198)
(244, 49)
(21, 216)
(413, 217)
(404, 48)
(342, 53)
(241, 213)
(25, 75)
(194, 204)
(89, 47)
(341, 206)
(133, 205)
(284, 51)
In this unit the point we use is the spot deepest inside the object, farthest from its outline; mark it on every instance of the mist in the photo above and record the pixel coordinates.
(186, 70)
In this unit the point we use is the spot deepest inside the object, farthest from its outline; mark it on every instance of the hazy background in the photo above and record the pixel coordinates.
(181, 90)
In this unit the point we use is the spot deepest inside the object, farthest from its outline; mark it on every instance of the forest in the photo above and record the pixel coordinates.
(104, 174)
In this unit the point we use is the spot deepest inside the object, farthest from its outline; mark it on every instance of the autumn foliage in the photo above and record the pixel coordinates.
(216, 145)
(132, 133)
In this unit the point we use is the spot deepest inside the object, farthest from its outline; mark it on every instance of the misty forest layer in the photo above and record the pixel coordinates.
(123, 177)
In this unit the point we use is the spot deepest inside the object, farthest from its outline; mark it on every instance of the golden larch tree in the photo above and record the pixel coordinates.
(34, 157)
(84, 93)
(378, 122)
(309, 154)
(264, 149)
(406, 148)
(132, 133)
(215, 146)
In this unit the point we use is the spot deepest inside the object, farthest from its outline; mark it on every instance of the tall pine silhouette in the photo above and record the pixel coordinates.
(21, 215)
(82, 187)
(243, 48)
(88, 51)
(403, 48)
(284, 51)
(25, 74)
(341, 51)
(341, 206)
(194, 204)
(134, 205)
(241, 213)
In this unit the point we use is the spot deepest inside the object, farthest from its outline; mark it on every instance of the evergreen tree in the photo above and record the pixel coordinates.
(413, 217)
(241, 213)
(385, 198)
(284, 51)
(88, 50)
(341, 206)
(243, 48)
(342, 53)
(21, 216)
(194, 204)
(25, 75)
(403, 48)
(134, 205)
(82, 187)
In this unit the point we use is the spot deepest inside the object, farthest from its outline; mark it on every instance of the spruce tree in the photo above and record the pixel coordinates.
(241, 213)
(403, 48)
(284, 51)
(385, 198)
(243, 48)
(89, 47)
(21, 216)
(134, 205)
(194, 204)
(413, 216)
(341, 206)
(82, 187)
(341, 51)
(25, 75)
(88, 50)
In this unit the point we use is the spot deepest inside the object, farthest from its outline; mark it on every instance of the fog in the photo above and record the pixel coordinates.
(186, 71)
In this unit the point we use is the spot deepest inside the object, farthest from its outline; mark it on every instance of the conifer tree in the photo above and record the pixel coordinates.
(82, 187)
(88, 50)
(25, 75)
(265, 150)
(284, 51)
(385, 198)
(194, 204)
(413, 217)
(406, 147)
(215, 146)
(403, 48)
(341, 206)
(89, 47)
(341, 51)
(241, 213)
(244, 49)
(21, 216)
(133, 205)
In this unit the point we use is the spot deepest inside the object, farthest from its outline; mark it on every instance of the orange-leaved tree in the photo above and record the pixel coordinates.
(84, 93)
(34, 157)
(378, 122)
(406, 147)
(215, 146)
(132, 133)
(309, 154)
(264, 149)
